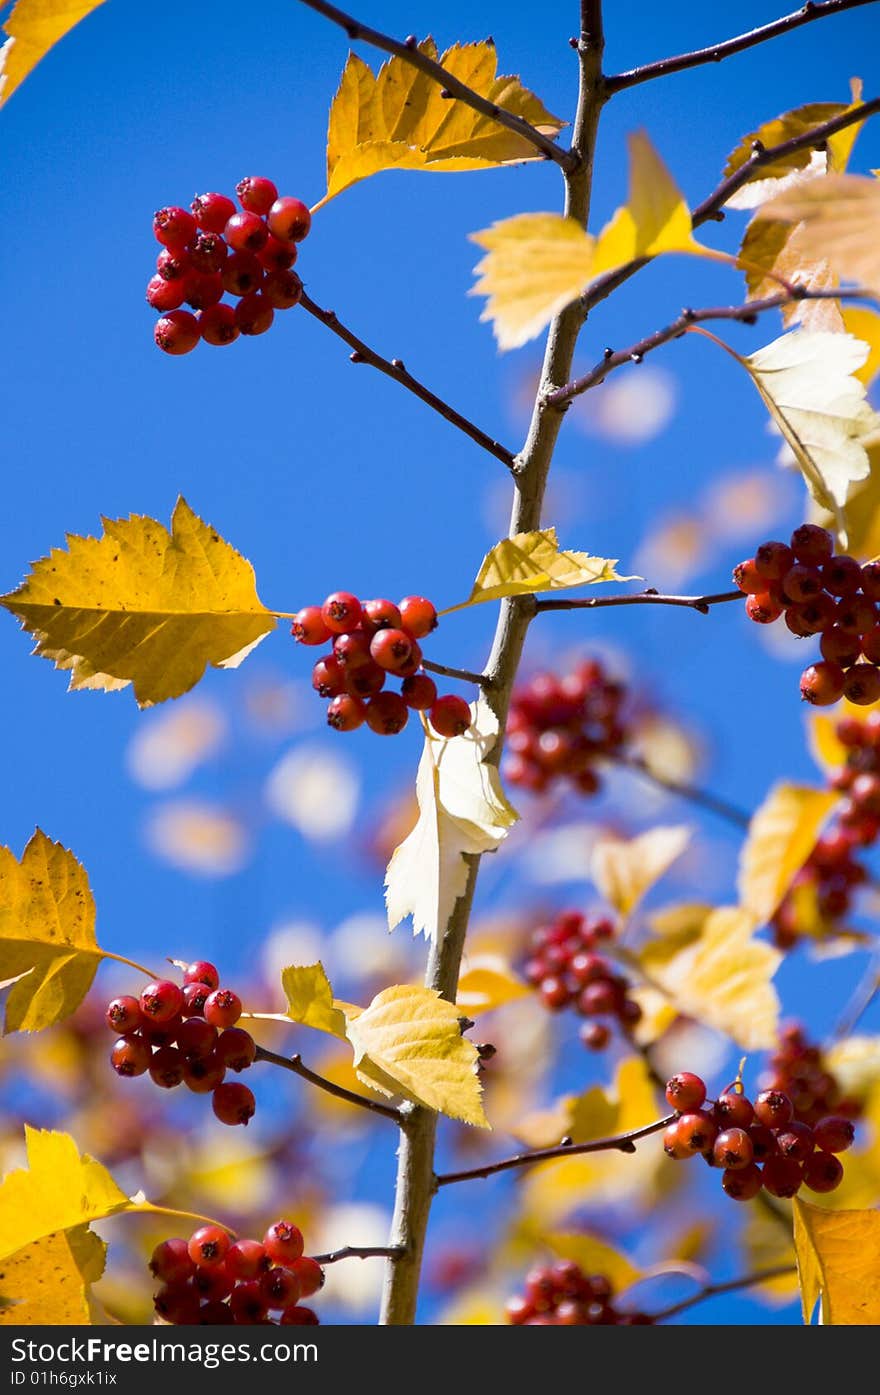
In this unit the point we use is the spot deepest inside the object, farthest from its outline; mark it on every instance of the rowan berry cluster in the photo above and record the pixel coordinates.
(820, 593)
(832, 872)
(373, 641)
(186, 1035)
(562, 1295)
(566, 968)
(216, 249)
(212, 1281)
(559, 727)
(757, 1145)
(797, 1068)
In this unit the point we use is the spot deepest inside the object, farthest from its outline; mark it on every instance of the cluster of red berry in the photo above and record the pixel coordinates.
(186, 1036)
(210, 1281)
(372, 641)
(562, 1295)
(567, 971)
(832, 871)
(216, 249)
(558, 728)
(758, 1145)
(797, 1068)
(820, 593)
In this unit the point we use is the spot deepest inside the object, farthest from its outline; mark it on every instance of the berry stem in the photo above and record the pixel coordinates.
(409, 51)
(148, 1208)
(704, 798)
(131, 963)
(781, 1271)
(295, 1065)
(395, 369)
(702, 604)
(360, 1252)
(681, 62)
(621, 1142)
(463, 675)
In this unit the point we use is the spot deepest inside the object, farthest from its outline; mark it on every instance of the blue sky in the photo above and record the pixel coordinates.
(326, 475)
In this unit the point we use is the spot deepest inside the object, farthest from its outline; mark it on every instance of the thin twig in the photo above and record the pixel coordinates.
(680, 63)
(464, 675)
(360, 1252)
(702, 604)
(294, 1064)
(409, 51)
(711, 207)
(730, 1286)
(865, 992)
(713, 802)
(621, 1143)
(745, 314)
(394, 368)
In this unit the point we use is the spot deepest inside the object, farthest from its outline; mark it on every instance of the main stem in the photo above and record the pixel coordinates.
(416, 1181)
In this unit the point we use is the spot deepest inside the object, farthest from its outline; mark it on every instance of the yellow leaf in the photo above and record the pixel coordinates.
(595, 1256)
(144, 606)
(855, 1064)
(531, 562)
(864, 325)
(861, 516)
(768, 1245)
(791, 169)
(781, 836)
(806, 381)
(47, 1282)
(47, 934)
(840, 214)
(462, 810)
(838, 1255)
(409, 1042)
(722, 977)
(310, 999)
(488, 982)
(683, 920)
(35, 26)
(625, 869)
(772, 250)
(399, 120)
(60, 1189)
(536, 264)
(654, 219)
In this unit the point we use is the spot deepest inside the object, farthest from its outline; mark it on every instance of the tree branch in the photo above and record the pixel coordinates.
(415, 1171)
(409, 51)
(745, 314)
(359, 1252)
(730, 1286)
(295, 1065)
(395, 369)
(865, 992)
(665, 67)
(650, 597)
(711, 207)
(713, 802)
(621, 1143)
(464, 675)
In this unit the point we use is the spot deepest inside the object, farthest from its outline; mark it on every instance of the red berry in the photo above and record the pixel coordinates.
(201, 971)
(782, 1176)
(450, 716)
(161, 1001)
(223, 1008)
(419, 692)
(246, 1259)
(818, 614)
(289, 220)
(212, 211)
(283, 289)
(741, 1184)
(823, 684)
(598, 999)
(862, 684)
(203, 290)
(254, 314)
(328, 677)
(773, 1108)
(130, 1056)
(195, 995)
(380, 615)
(418, 616)
(763, 1141)
(247, 1302)
(733, 1110)
(174, 227)
(802, 583)
(834, 1134)
(165, 295)
(283, 1242)
(795, 1141)
(170, 1262)
(773, 560)
(177, 333)
(236, 1048)
(812, 545)
(161, 1033)
(391, 649)
(697, 1131)
(123, 1015)
(763, 609)
(204, 1073)
(167, 1067)
(871, 580)
(234, 1103)
(823, 1172)
(172, 266)
(246, 232)
(208, 1246)
(595, 1036)
(412, 665)
(299, 1316)
(732, 1150)
(346, 713)
(797, 623)
(363, 682)
(256, 194)
(352, 650)
(277, 256)
(309, 626)
(870, 644)
(341, 612)
(280, 1287)
(842, 576)
(685, 1092)
(177, 1303)
(840, 646)
(310, 1275)
(387, 714)
(748, 578)
(215, 1284)
(208, 252)
(674, 1146)
(196, 1038)
(217, 325)
(241, 274)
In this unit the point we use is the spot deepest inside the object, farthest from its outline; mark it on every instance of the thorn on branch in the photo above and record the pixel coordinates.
(399, 364)
(353, 31)
(410, 41)
(636, 358)
(758, 147)
(750, 319)
(627, 1147)
(355, 357)
(573, 42)
(607, 352)
(688, 313)
(566, 1142)
(445, 93)
(799, 292)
